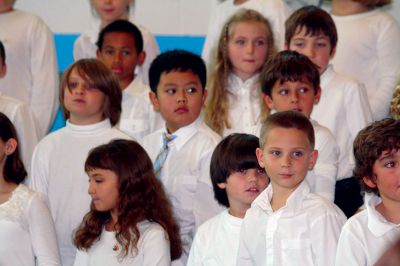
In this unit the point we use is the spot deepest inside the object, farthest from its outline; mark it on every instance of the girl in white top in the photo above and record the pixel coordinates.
(27, 234)
(91, 101)
(106, 12)
(235, 103)
(130, 221)
(368, 49)
(237, 180)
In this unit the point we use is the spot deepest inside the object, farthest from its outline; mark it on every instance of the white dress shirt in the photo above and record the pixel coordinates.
(32, 73)
(27, 231)
(344, 109)
(138, 117)
(368, 51)
(153, 249)
(85, 46)
(186, 176)
(216, 241)
(303, 232)
(57, 170)
(366, 236)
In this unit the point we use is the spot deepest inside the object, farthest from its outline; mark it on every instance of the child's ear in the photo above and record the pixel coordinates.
(154, 101)
(221, 185)
(268, 101)
(369, 182)
(286, 46)
(141, 58)
(317, 96)
(3, 70)
(10, 146)
(260, 157)
(333, 52)
(98, 54)
(205, 94)
(313, 159)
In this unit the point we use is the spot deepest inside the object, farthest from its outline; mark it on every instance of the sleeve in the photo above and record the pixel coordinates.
(155, 248)
(388, 50)
(43, 235)
(325, 169)
(324, 243)
(38, 177)
(81, 258)
(350, 250)
(43, 65)
(151, 49)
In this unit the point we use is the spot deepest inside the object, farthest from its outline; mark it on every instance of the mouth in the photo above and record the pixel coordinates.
(79, 101)
(297, 110)
(285, 176)
(116, 69)
(181, 110)
(253, 190)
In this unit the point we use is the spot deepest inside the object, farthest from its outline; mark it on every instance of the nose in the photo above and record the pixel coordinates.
(286, 161)
(117, 57)
(250, 47)
(294, 97)
(91, 189)
(309, 51)
(181, 96)
(80, 89)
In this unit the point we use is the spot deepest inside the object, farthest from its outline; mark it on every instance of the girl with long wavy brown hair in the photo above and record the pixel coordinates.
(130, 221)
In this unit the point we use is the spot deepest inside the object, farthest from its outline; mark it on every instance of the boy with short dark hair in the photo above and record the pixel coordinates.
(290, 81)
(237, 180)
(287, 224)
(120, 47)
(343, 106)
(367, 234)
(182, 149)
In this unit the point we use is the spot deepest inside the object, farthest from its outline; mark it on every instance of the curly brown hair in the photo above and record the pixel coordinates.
(141, 196)
(370, 143)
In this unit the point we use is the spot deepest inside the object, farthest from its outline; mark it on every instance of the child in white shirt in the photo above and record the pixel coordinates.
(130, 221)
(91, 101)
(343, 106)
(31, 64)
(181, 151)
(237, 180)
(368, 49)
(105, 13)
(120, 47)
(235, 105)
(367, 234)
(287, 224)
(290, 81)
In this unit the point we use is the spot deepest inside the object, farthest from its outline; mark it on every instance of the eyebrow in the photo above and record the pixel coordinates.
(188, 83)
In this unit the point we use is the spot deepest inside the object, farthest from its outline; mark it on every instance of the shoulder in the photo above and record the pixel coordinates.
(151, 230)
(323, 136)
(211, 224)
(207, 134)
(319, 207)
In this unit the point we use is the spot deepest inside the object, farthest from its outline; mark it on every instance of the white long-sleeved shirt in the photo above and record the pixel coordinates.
(27, 231)
(85, 46)
(303, 232)
(366, 236)
(186, 176)
(344, 110)
(216, 241)
(153, 249)
(57, 170)
(22, 118)
(276, 11)
(138, 117)
(368, 51)
(32, 74)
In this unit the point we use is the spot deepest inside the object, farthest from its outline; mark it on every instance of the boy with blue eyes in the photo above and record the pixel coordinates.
(366, 235)
(290, 81)
(287, 224)
(343, 107)
(120, 48)
(181, 151)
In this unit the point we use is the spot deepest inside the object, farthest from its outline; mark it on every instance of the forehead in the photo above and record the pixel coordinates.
(119, 39)
(246, 27)
(286, 137)
(303, 31)
(292, 83)
(178, 77)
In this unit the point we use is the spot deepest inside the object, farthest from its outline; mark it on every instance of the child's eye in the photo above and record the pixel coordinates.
(126, 53)
(109, 52)
(298, 44)
(260, 42)
(170, 91)
(321, 44)
(191, 90)
(72, 85)
(261, 171)
(303, 90)
(390, 164)
(90, 87)
(240, 42)
(242, 171)
(297, 153)
(275, 153)
(283, 92)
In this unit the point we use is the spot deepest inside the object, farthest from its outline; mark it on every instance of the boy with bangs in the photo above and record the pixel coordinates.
(120, 48)
(290, 81)
(287, 224)
(343, 106)
(182, 149)
(237, 180)
(367, 234)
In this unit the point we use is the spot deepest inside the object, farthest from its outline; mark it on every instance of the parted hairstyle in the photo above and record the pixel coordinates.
(141, 197)
(97, 74)
(125, 27)
(314, 20)
(14, 170)
(288, 66)
(2, 54)
(287, 119)
(234, 153)
(176, 61)
(380, 136)
(216, 113)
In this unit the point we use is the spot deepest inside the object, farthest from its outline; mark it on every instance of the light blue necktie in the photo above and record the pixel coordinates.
(162, 156)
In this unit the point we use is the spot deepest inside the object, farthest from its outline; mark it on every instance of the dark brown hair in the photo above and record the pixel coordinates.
(95, 72)
(370, 143)
(141, 197)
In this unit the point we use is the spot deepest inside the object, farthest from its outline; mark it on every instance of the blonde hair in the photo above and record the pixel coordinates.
(374, 3)
(216, 113)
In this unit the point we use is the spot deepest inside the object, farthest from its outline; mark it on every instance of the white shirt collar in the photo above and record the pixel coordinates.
(88, 129)
(327, 76)
(136, 87)
(237, 86)
(184, 133)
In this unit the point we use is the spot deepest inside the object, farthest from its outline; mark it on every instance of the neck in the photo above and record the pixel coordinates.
(110, 226)
(390, 210)
(82, 121)
(347, 7)
(125, 83)
(239, 2)
(279, 197)
(238, 212)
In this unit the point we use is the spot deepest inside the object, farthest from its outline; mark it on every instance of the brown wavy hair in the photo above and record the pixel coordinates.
(216, 113)
(141, 197)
